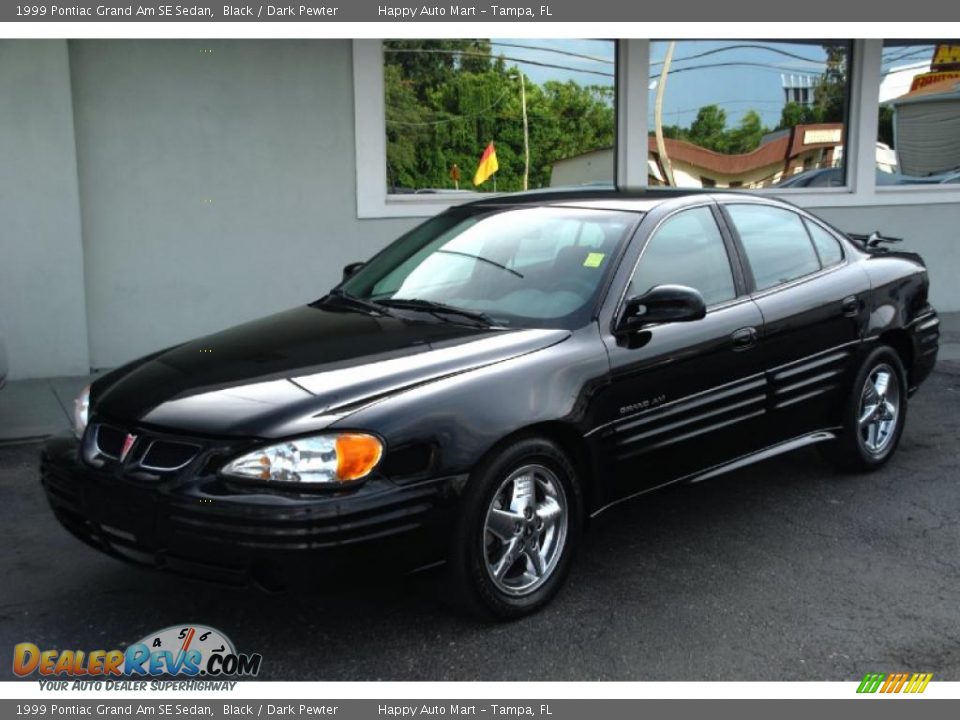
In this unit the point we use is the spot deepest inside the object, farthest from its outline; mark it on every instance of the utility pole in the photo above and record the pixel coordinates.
(658, 117)
(526, 133)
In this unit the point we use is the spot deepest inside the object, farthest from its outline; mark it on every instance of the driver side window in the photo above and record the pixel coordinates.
(687, 249)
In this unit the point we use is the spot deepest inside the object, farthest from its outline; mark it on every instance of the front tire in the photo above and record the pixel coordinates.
(520, 525)
(874, 413)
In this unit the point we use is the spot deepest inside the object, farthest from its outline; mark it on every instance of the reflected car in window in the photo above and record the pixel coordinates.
(821, 177)
(477, 390)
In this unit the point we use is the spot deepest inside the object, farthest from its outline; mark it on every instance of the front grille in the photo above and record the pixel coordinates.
(150, 452)
(166, 456)
(110, 441)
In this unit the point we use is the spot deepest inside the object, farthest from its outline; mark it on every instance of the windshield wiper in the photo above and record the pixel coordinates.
(437, 309)
(481, 259)
(349, 299)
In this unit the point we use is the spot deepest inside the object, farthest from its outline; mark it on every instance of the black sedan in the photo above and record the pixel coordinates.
(488, 382)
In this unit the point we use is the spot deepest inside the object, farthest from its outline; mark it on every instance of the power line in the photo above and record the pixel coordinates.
(555, 50)
(905, 53)
(469, 53)
(735, 63)
(749, 46)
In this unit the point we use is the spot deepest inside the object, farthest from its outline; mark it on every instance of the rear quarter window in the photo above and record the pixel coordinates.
(828, 247)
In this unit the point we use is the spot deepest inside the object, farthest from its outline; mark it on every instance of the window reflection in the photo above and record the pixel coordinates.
(543, 109)
(748, 114)
(919, 120)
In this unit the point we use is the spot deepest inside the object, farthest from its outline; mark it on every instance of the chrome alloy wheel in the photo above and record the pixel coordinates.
(525, 530)
(879, 409)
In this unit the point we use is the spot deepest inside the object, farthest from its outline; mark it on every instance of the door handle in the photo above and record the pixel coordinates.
(744, 338)
(851, 306)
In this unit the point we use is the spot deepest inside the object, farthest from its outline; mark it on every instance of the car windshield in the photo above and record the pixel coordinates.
(524, 267)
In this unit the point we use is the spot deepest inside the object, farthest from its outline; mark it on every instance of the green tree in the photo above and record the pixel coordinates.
(829, 95)
(748, 134)
(885, 128)
(709, 129)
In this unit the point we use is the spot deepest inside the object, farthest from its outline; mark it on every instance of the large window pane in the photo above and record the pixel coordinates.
(545, 105)
(918, 139)
(748, 113)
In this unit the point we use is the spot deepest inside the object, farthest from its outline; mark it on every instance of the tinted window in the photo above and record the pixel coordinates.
(777, 246)
(828, 247)
(687, 250)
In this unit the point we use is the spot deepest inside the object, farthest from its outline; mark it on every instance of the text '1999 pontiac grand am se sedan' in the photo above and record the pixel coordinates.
(499, 374)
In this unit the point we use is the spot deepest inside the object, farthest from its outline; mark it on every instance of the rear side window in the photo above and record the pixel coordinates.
(777, 244)
(687, 250)
(828, 247)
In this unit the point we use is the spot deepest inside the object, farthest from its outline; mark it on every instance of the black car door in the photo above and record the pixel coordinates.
(683, 396)
(814, 307)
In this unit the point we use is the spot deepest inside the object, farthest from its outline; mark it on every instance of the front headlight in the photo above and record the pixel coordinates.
(322, 459)
(81, 411)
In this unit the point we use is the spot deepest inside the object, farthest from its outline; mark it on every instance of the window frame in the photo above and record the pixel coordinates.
(741, 279)
(630, 146)
(370, 140)
(746, 256)
(753, 290)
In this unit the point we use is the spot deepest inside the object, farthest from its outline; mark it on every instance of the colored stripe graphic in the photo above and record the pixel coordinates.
(870, 683)
(894, 683)
(918, 683)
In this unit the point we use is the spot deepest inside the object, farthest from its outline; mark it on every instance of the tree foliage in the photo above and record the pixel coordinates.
(447, 99)
(709, 130)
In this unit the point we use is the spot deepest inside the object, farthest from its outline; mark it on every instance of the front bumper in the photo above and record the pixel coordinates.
(208, 528)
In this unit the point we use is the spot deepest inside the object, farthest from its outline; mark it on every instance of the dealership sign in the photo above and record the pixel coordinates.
(945, 65)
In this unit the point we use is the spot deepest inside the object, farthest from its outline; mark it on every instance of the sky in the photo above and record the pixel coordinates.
(738, 75)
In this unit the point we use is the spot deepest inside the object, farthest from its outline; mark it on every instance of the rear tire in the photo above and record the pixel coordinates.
(518, 531)
(874, 413)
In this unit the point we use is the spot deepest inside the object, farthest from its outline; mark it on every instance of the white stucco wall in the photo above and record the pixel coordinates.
(932, 230)
(218, 184)
(42, 311)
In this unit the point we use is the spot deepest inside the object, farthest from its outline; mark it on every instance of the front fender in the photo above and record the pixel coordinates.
(458, 419)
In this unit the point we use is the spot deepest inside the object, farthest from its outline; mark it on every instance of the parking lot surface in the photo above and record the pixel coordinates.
(783, 571)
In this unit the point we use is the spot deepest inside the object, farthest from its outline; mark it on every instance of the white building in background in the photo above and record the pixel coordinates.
(152, 192)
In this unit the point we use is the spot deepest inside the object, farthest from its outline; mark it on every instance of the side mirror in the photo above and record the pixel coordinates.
(662, 304)
(351, 269)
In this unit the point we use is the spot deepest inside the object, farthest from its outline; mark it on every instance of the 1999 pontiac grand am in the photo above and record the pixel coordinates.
(490, 380)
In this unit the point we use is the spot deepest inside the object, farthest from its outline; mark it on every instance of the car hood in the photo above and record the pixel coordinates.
(298, 371)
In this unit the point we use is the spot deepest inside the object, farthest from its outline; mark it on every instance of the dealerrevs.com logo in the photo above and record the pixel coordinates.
(178, 650)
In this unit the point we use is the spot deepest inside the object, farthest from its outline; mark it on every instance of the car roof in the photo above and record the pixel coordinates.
(600, 198)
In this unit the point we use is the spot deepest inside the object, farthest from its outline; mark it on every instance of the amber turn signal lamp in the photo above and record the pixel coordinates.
(357, 455)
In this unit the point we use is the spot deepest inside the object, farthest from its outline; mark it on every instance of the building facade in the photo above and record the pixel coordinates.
(153, 191)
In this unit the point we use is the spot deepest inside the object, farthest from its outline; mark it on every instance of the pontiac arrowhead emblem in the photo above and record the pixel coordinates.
(127, 444)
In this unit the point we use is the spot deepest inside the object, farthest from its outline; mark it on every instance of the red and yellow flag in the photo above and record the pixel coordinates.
(487, 167)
